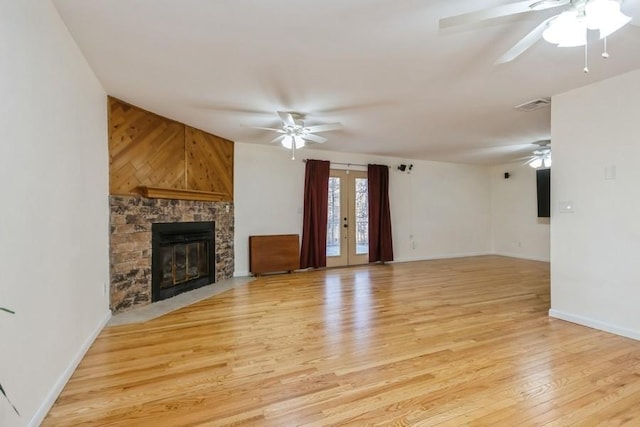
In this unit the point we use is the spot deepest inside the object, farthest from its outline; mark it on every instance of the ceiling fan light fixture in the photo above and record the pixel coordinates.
(567, 30)
(536, 163)
(541, 157)
(287, 141)
(605, 16)
(299, 141)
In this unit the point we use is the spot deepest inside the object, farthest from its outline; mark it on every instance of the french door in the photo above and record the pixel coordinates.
(348, 219)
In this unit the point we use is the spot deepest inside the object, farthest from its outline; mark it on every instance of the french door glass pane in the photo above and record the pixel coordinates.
(362, 216)
(333, 219)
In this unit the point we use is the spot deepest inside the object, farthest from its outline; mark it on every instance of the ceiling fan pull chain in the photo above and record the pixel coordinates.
(605, 54)
(586, 58)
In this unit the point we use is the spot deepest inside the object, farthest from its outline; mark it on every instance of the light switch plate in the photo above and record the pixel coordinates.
(566, 206)
(610, 172)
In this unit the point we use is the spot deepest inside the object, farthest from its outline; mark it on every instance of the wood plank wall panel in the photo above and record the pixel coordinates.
(146, 149)
(209, 162)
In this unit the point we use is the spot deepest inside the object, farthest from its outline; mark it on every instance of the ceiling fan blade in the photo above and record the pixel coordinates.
(324, 128)
(278, 138)
(315, 138)
(271, 129)
(525, 43)
(499, 11)
(287, 118)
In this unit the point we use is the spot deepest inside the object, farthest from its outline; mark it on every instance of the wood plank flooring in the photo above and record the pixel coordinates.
(447, 342)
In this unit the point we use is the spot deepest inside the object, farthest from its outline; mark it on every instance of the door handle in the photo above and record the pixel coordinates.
(346, 225)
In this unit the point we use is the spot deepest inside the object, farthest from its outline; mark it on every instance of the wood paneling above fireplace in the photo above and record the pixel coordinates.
(209, 162)
(148, 150)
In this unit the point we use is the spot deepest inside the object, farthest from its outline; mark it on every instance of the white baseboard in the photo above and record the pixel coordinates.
(434, 257)
(444, 256)
(55, 391)
(595, 324)
(513, 255)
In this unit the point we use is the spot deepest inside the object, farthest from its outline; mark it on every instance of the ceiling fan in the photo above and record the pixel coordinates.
(565, 29)
(541, 157)
(294, 134)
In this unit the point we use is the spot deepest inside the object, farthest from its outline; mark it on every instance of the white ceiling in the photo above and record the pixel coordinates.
(400, 86)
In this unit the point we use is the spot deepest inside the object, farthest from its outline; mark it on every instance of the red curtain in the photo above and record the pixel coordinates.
(380, 245)
(314, 224)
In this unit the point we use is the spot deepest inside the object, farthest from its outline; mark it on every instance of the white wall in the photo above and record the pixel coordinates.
(595, 273)
(517, 230)
(444, 206)
(54, 215)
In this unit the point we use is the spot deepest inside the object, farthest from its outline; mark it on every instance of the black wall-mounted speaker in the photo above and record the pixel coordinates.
(543, 182)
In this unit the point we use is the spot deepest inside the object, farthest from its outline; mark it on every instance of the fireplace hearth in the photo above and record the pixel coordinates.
(183, 257)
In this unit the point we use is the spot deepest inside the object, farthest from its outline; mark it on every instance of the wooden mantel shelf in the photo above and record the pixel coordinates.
(181, 194)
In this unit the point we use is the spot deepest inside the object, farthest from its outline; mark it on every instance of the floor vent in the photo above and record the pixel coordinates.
(534, 104)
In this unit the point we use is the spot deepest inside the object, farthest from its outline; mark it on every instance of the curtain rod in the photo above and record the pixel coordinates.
(343, 164)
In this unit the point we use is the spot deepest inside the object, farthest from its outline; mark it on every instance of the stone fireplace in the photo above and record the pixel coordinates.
(133, 222)
(165, 172)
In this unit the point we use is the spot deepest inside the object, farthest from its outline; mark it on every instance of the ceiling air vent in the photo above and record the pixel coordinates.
(534, 104)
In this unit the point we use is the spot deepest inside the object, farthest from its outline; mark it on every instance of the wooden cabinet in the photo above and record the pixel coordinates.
(274, 253)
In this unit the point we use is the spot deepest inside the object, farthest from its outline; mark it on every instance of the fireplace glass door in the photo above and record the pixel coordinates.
(182, 257)
(182, 262)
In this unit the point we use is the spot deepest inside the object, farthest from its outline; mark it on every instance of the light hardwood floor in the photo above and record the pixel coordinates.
(447, 342)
